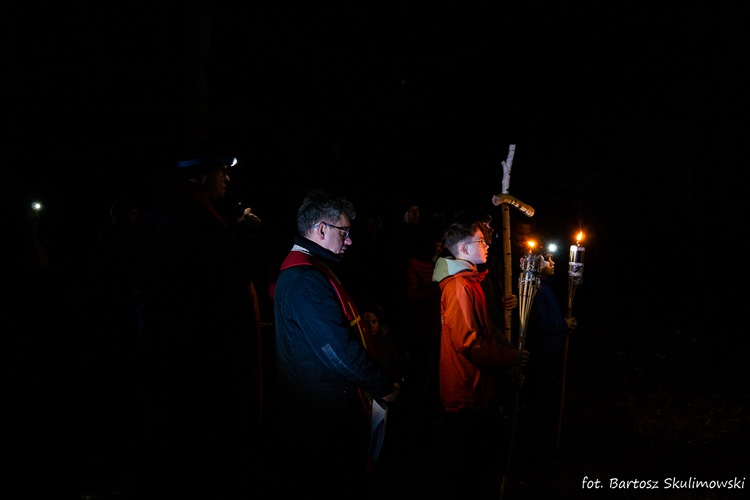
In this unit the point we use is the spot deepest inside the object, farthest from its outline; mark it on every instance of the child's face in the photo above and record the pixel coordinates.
(548, 266)
(371, 323)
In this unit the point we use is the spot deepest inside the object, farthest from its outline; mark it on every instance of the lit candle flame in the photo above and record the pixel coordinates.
(531, 244)
(579, 237)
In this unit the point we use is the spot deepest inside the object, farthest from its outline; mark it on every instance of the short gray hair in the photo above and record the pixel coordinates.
(320, 206)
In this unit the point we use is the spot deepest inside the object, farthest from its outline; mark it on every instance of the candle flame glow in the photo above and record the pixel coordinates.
(579, 237)
(531, 244)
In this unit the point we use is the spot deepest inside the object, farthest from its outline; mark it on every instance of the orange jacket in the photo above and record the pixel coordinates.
(470, 358)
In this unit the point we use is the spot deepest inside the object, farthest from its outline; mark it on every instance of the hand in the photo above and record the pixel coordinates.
(249, 216)
(522, 357)
(509, 302)
(390, 398)
(572, 323)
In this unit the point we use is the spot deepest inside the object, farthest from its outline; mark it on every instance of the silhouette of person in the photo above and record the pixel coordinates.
(546, 332)
(201, 322)
(418, 312)
(109, 318)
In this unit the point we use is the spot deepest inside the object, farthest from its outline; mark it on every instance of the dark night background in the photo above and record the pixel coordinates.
(627, 121)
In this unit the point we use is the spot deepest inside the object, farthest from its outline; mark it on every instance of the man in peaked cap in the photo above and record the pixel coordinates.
(208, 170)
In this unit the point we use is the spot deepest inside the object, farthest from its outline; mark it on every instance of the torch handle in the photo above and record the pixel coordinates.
(563, 378)
(562, 390)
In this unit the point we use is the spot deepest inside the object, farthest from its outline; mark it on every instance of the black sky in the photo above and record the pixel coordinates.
(352, 87)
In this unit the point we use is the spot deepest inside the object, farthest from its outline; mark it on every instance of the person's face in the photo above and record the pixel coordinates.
(370, 323)
(520, 235)
(475, 250)
(487, 231)
(439, 245)
(412, 215)
(334, 237)
(216, 183)
(372, 227)
(549, 267)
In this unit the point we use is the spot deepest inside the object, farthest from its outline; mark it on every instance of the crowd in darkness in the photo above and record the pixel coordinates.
(93, 403)
(79, 345)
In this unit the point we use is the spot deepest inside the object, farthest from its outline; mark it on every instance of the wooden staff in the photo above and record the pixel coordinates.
(506, 200)
(563, 381)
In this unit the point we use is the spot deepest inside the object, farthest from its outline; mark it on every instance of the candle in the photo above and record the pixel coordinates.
(575, 264)
(577, 252)
(575, 277)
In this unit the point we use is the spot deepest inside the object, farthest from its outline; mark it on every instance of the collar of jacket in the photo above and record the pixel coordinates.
(316, 250)
(446, 267)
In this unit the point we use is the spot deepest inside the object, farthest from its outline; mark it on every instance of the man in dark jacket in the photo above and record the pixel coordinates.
(327, 379)
(201, 334)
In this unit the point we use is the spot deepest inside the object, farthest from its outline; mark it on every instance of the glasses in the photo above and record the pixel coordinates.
(484, 243)
(345, 229)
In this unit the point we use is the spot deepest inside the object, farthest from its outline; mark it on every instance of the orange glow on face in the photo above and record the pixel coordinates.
(579, 237)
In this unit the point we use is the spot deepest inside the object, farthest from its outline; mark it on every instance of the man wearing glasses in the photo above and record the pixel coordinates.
(326, 377)
(471, 363)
